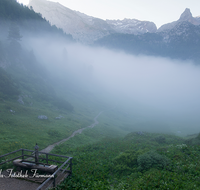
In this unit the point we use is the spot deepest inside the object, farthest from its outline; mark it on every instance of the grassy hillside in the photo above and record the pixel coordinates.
(27, 92)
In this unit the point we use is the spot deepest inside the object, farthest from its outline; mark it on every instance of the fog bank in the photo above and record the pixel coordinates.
(164, 89)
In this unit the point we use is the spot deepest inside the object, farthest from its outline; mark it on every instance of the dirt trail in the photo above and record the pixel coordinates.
(79, 131)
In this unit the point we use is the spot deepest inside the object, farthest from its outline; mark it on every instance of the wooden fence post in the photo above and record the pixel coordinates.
(22, 154)
(47, 158)
(54, 181)
(36, 154)
(71, 166)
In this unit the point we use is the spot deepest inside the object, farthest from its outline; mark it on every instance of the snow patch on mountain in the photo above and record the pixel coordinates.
(132, 26)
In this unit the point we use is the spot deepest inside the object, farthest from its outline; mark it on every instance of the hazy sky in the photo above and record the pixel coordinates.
(158, 11)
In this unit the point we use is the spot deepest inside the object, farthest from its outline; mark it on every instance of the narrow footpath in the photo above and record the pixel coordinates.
(79, 131)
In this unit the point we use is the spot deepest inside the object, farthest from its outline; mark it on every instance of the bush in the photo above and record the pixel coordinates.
(152, 159)
(160, 139)
(193, 141)
(126, 162)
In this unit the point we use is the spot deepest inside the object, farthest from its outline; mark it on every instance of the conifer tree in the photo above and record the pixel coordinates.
(14, 32)
(14, 37)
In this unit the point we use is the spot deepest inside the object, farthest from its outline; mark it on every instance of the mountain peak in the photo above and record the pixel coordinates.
(186, 15)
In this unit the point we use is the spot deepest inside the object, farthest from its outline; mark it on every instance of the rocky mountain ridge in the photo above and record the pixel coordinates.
(86, 28)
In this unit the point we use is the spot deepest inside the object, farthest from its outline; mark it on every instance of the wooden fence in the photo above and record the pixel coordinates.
(61, 173)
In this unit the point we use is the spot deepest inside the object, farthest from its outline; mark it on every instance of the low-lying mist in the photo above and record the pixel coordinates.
(158, 93)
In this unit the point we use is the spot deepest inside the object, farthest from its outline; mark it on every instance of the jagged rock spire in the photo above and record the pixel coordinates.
(186, 15)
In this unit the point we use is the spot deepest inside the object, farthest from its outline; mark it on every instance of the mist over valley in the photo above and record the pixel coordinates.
(167, 90)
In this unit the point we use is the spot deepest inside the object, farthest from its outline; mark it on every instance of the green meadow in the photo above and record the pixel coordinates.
(147, 161)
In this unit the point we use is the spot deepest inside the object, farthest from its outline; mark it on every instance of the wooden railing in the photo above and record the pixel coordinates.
(43, 156)
(6, 161)
(61, 171)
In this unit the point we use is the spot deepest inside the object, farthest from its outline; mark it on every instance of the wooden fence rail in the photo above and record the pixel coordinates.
(54, 175)
(51, 181)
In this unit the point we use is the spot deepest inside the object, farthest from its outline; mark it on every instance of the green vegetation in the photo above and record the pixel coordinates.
(133, 162)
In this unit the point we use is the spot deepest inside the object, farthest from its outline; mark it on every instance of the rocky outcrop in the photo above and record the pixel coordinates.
(59, 117)
(42, 117)
(187, 16)
(20, 100)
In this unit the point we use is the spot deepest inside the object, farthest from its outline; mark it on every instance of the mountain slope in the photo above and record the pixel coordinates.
(82, 27)
(22, 71)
